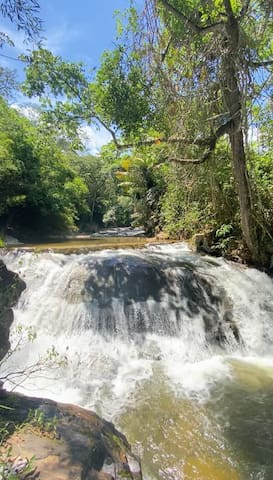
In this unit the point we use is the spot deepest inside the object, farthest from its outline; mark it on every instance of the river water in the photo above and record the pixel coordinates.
(174, 348)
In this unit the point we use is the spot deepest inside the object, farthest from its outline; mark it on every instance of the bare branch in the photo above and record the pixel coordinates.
(165, 53)
(244, 10)
(209, 142)
(192, 25)
(266, 63)
(229, 11)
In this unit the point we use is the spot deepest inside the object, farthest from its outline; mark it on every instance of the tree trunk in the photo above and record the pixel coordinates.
(244, 194)
(233, 103)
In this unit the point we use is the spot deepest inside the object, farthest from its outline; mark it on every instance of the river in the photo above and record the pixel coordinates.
(174, 348)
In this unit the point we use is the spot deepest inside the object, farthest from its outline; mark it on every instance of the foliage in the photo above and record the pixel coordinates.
(24, 14)
(50, 76)
(8, 83)
(37, 183)
(38, 420)
(200, 197)
(121, 93)
(11, 467)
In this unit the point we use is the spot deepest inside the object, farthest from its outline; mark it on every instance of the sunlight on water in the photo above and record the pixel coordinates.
(176, 437)
(228, 437)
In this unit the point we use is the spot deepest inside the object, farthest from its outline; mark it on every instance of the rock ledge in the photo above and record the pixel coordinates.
(83, 446)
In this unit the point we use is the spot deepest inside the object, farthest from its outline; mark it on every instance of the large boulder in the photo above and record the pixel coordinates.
(80, 445)
(11, 286)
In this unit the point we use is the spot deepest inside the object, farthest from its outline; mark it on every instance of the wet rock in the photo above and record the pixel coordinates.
(131, 295)
(205, 242)
(83, 446)
(11, 287)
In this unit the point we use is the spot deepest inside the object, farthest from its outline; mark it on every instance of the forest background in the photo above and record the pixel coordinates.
(186, 96)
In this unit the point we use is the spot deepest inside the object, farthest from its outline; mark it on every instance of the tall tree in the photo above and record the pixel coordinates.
(223, 50)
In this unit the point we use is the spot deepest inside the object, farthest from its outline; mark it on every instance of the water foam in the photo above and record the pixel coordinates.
(104, 372)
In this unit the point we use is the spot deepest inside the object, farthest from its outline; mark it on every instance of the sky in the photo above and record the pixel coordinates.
(76, 30)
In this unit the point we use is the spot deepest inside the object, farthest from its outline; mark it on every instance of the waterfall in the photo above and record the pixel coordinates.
(153, 332)
(115, 314)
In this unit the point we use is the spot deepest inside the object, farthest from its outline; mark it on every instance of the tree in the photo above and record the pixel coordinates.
(214, 53)
(96, 176)
(107, 99)
(38, 187)
(8, 82)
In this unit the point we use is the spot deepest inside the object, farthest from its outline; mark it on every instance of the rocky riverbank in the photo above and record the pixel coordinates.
(67, 442)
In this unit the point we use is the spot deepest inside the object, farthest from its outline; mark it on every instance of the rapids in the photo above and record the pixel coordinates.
(175, 348)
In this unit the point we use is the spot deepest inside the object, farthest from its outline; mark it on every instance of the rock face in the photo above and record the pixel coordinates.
(83, 445)
(11, 287)
(132, 295)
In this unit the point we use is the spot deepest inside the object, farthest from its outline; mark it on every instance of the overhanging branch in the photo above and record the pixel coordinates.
(244, 10)
(197, 161)
(192, 25)
(266, 63)
(208, 142)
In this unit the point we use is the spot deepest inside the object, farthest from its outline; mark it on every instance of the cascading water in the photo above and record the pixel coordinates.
(175, 348)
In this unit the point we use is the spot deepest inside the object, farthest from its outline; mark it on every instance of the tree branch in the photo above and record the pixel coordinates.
(244, 10)
(77, 94)
(165, 53)
(208, 142)
(193, 26)
(266, 63)
(229, 10)
(112, 133)
(197, 161)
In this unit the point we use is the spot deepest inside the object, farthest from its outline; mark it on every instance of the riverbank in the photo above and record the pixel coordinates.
(50, 440)
(230, 248)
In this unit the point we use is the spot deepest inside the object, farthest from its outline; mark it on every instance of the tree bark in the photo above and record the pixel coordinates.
(244, 194)
(232, 99)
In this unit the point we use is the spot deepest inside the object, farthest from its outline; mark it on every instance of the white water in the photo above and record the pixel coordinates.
(109, 360)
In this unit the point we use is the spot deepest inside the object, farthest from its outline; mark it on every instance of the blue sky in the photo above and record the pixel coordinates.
(75, 30)
(79, 30)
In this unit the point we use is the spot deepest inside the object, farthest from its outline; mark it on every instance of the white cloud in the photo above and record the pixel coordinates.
(57, 39)
(94, 139)
(28, 111)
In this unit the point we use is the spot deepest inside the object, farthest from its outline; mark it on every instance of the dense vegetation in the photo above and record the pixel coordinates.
(46, 189)
(187, 98)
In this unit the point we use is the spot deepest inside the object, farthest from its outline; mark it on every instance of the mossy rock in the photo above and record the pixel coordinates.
(84, 446)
